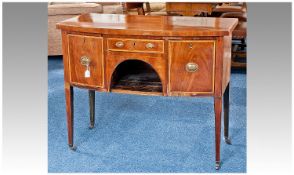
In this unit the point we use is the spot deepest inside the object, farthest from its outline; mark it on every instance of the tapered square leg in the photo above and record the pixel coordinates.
(218, 114)
(69, 115)
(226, 114)
(92, 108)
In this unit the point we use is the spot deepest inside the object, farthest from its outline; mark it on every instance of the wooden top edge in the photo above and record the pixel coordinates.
(149, 25)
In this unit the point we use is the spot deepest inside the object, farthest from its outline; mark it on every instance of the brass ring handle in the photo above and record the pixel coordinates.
(85, 61)
(190, 45)
(119, 44)
(192, 67)
(150, 45)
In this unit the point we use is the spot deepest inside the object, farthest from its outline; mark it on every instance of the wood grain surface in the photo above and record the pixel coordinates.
(200, 52)
(149, 55)
(136, 45)
(149, 25)
(90, 47)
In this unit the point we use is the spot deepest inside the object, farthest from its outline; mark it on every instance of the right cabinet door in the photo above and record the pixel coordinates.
(191, 66)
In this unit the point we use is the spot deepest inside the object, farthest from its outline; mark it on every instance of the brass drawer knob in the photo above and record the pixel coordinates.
(85, 61)
(150, 45)
(192, 67)
(119, 44)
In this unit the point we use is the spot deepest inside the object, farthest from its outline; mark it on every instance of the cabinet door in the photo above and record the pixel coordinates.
(191, 66)
(83, 51)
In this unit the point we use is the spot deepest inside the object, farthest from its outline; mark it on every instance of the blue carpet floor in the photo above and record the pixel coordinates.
(143, 133)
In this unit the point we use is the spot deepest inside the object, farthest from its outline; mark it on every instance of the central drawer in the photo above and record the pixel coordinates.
(135, 45)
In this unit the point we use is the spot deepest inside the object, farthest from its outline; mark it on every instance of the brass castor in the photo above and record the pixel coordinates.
(73, 147)
(217, 165)
(91, 126)
(228, 140)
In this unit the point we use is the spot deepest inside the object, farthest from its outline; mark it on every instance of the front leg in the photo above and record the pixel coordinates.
(218, 115)
(69, 114)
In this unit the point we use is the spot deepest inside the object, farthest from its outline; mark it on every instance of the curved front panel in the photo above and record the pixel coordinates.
(191, 66)
(86, 60)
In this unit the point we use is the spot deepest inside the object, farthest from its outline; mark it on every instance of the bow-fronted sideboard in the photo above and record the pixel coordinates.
(148, 55)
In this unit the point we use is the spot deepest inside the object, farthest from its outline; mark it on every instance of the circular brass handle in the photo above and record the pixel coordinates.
(192, 67)
(85, 61)
(119, 44)
(150, 45)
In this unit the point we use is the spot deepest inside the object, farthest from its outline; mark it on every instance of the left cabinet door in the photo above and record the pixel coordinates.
(86, 60)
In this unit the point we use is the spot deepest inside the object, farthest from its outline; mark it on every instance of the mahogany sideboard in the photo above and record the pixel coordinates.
(148, 55)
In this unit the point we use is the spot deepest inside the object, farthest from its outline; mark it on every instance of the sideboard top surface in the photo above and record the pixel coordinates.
(119, 24)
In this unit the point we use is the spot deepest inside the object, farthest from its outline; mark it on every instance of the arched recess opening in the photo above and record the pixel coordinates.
(135, 75)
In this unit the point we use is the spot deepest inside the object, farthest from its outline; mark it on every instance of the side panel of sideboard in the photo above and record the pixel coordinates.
(226, 61)
(218, 92)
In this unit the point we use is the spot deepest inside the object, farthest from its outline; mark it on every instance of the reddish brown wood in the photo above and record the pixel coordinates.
(176, 41)
(90, 47)
(134, 5)
(157, 61)
(70, 113)
(135, 45)
(189, 8)
(65, 56)
(179, 8)
(218, 114)
(198, 52)
(226, 61)
(218, 67)
(68, 90)
(114, 24)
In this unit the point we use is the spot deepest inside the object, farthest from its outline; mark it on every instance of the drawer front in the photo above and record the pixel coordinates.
(83, 51)
(135, 45)
(191, 66)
